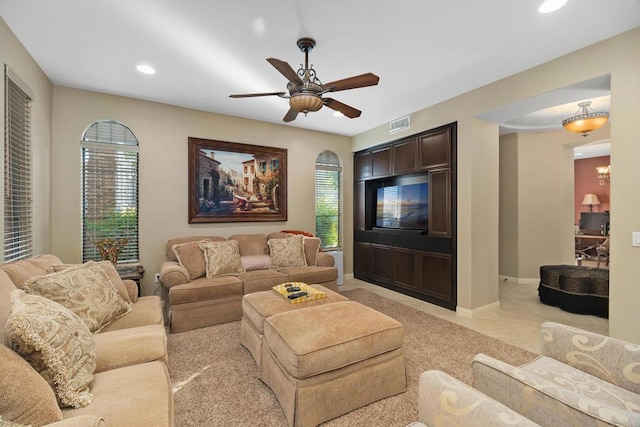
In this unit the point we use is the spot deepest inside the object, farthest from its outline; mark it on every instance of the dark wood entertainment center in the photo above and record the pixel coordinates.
(418, 263)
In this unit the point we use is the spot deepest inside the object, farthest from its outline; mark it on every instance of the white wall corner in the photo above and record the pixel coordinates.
(465, 312)
(520, 280)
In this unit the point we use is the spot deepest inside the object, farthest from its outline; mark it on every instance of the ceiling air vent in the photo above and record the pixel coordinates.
(399, 124)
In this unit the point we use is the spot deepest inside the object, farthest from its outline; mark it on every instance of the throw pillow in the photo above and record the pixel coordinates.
(255, 262)
(85, 290)
(222, 258)
(26, 396)
(191, 257)
(56, 343)
(287, 252)
(311, 249)
(108, 268)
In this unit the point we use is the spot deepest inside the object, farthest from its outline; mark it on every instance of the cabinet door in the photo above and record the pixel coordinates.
(362, 258)
(359, 210)
(435, 275)
(405, 156)
(435, 149)
(362, 165)
(405, 271)
(382, 263)
(440, 203)
(381, 162)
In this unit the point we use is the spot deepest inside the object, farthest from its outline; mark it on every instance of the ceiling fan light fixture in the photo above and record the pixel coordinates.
(585, 120)
(305, 102)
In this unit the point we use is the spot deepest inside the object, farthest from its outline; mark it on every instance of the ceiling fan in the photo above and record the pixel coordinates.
(306, 90)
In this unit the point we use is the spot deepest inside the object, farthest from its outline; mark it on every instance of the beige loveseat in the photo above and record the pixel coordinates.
(131, 384)
(195, 300)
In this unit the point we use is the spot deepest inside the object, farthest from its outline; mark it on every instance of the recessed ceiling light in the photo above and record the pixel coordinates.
(146, 69)
(549, 6)
(337, 114)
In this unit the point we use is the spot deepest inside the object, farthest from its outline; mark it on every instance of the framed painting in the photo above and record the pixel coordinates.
(232, 182)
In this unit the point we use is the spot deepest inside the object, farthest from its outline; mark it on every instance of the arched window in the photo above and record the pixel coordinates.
(109, 188)
(329, 199)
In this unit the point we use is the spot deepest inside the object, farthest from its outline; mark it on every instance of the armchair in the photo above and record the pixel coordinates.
(580, 379)
(446, 401)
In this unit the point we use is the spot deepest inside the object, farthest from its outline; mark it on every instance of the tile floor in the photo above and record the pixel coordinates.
(516, 321)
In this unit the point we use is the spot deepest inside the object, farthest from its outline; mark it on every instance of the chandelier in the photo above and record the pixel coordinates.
(585, 120)
(604, 174)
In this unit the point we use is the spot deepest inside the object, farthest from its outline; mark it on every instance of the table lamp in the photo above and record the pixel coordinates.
(590, 199)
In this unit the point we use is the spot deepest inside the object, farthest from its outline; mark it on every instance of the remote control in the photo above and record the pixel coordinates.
(293, 289)
(297, 295)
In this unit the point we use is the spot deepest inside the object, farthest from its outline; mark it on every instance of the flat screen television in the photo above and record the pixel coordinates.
(403, 207)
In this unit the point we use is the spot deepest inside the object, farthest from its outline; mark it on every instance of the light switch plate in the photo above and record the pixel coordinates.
(635, 238)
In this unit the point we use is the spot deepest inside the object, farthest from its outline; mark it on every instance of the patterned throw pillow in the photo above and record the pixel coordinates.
(287, 252)
(85, 290)
(108, 268)
(191, 257)
(56, 343)
(222, 258)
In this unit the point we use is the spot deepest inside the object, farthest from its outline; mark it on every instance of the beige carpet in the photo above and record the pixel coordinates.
(216, 380)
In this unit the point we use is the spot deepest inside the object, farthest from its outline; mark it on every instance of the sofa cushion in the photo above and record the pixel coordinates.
(310, 275)
(191, 257)
(132, 346)
(168, 248)
(137, 395)
(251, 244)
(222, 258)
(56, 343)
(255, 262)
(287, 252)
(204, 289)
(26, 396)
(23, 270)
(261, 280)
(146, 311)
(311, 247)
(6, 288)
(108, 268)
(86, 290)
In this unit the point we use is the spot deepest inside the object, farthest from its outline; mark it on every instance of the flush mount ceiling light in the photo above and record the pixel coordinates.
(585, 120)
(549, 6)
(146, 69)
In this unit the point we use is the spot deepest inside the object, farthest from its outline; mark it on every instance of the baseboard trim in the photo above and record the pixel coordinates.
(465, 312)
(520, 280)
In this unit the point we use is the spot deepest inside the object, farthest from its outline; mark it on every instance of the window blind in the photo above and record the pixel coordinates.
(17, 173)
(328, 200)
(109, 189)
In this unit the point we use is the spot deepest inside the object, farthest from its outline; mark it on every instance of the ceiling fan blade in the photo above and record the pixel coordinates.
(291, 115)
(363, 80)
(286, 70)
(345, 109)
(249, 95)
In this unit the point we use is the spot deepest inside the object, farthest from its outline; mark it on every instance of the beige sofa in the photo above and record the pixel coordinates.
(131, 384)
(195, 301)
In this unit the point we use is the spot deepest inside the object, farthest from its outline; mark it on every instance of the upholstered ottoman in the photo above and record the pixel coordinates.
(259, 305)
(322, 362)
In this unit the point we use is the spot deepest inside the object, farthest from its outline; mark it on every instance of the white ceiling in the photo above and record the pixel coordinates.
(424, 51)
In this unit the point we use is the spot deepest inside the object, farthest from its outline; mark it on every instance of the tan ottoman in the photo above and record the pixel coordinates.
(325, 361)
(259, 305)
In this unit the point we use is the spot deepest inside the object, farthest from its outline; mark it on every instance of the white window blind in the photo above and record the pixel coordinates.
(329, 199)
(17, 172)
(109, 189)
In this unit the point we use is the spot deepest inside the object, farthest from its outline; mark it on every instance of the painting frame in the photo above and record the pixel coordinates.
(218, 192)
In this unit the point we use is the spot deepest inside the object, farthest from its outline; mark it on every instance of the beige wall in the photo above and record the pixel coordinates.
(617, 57)
(14, 55)
(508, 190)
(162, 131)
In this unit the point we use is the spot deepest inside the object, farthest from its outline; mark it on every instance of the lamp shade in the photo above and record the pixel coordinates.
(590, 200)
